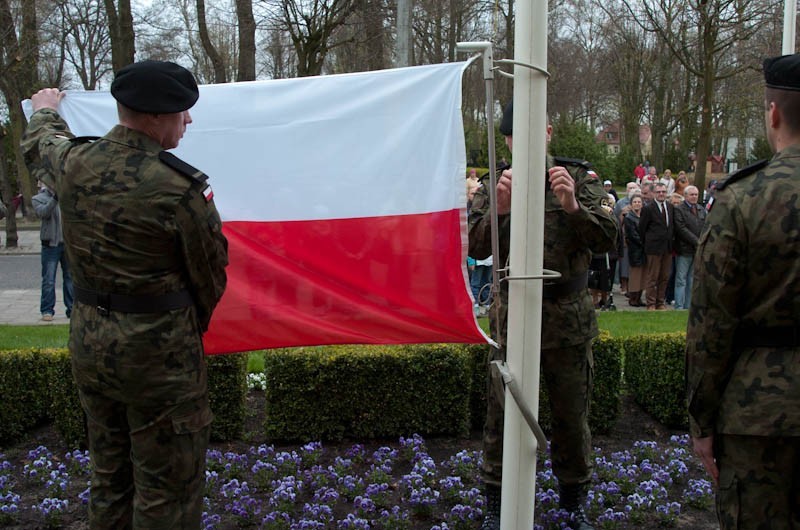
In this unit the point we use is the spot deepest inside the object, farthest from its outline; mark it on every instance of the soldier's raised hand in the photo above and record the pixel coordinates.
(47, 98)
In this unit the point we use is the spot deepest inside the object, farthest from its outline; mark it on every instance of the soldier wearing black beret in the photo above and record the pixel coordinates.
(148, 258)
(743, 336)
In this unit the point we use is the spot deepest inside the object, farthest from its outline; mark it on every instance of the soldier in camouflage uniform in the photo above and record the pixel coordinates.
(743, 338)
(144, 239)
(578, 221)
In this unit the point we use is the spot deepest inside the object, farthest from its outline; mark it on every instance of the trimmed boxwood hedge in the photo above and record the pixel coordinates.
(363, 392)
(654, 373)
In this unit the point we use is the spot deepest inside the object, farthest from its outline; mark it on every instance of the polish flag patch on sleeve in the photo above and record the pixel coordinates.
(208, 193)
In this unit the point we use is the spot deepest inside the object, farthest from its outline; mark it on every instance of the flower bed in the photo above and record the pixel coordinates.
(395, 486)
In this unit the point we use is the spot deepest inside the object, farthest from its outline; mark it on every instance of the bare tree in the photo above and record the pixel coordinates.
(703, 35)
(364, 41)
(247, 40)
(628, 61)
(120, 25)
(220, 70)
(310, 24)
(83, 28)
(19, 47)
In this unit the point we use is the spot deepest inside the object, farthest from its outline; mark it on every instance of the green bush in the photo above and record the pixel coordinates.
(23, 392)
(367, 391)
(227, 392)
(479, 355)
(654, 376)
(65, 405)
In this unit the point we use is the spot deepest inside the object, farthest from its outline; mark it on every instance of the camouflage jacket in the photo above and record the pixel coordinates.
(132, 224)
(569, 241)
(746, 286)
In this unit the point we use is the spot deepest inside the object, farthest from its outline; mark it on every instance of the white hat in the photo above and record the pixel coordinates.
(606, 182)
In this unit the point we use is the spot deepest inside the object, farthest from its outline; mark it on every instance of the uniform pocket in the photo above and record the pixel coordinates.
(190, 439)
(727, 502)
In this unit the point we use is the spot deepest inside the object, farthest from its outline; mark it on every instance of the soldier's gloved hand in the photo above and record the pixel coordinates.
(504, 193)
(563, 185)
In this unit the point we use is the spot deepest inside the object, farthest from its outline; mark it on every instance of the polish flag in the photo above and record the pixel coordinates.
(343, 201)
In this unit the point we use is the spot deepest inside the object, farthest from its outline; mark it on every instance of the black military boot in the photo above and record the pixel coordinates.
(491, 513)
(571, 499)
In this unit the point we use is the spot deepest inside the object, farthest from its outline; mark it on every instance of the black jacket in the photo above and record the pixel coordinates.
(656, 235)
(636, 257)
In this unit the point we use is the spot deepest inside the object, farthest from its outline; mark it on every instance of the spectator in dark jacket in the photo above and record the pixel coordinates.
(689, 220)
(636, 257)
(656, 228)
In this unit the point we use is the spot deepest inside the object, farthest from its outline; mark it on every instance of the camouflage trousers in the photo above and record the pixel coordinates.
(568, 374)
(148, 420)
(759, 482)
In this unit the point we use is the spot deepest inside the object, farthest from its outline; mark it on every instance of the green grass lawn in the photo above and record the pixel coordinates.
(626, 323)
(618, 323)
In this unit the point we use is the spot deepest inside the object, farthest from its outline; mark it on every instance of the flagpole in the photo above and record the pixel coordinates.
(526, 258)
(789, 25)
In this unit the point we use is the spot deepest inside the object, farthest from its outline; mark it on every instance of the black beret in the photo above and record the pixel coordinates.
(155, 87)
(507, 124)
(783, 72)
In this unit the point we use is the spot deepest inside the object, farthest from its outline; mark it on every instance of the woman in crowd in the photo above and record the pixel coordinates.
(636, 256)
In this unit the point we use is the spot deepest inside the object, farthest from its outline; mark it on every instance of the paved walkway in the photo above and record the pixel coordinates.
(21, 306)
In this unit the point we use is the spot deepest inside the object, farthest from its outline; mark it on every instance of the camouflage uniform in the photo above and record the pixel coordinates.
(135, 226)
(568, 322)
(743, 343)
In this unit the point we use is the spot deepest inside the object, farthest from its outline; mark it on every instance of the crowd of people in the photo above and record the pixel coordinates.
(660, 220)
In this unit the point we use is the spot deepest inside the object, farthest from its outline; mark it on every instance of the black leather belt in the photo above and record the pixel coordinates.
(772, 337)
(107, 302)
(565, 287)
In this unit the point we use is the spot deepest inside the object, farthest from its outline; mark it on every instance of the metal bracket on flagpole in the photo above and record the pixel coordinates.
(519, 63)
(516, 393)
(546, 274)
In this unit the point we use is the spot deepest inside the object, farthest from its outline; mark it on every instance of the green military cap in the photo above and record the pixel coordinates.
(783, 72)
(506, 125)
(155, 87)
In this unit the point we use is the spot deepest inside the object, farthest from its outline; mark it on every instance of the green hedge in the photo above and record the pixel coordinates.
(37, 385)
(65, 406)
(23, 392)
(654, 375)
(358, 392)
(367, 391)
(227, 391)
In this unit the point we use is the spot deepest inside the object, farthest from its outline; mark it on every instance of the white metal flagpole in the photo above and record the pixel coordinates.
(526, 258)
(789, 25)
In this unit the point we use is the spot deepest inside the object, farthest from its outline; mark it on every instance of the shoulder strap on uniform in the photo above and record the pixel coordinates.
(560, 160)
(83, 139)
(182, 167)
(742, 173)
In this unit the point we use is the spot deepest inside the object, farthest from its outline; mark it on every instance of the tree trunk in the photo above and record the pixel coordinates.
(8, 194)
(120, 25)
(220, 74)
(246, 70)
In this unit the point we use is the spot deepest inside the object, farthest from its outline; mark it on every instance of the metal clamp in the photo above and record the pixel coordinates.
(519, 399)
(546, 274)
